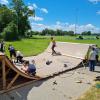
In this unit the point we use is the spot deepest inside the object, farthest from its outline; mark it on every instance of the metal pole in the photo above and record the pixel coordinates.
(17, 22)
(76, 21)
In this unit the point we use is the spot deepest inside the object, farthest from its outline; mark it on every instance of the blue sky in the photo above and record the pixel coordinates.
(64, 14)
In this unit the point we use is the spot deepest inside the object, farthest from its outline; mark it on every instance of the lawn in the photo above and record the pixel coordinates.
(38, 44)
(29, 47)
(92, 94)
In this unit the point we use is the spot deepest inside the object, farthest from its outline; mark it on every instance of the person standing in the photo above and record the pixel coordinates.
(53, 46)
(12, 51)
(92, 59)
(2, 48)
(97, 53)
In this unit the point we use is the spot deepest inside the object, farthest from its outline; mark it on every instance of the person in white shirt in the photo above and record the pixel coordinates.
(92, 59)
(19, 57)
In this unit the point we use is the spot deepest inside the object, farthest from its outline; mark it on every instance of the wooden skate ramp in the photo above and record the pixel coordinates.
(72, 55)
(12, 75)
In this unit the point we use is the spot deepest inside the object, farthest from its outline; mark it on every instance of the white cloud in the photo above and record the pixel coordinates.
(35, 6)
(44, 10)
(66, 27)
(58, 23)
(4, 1)
(30, 7)
(36, 18)
(98, 12)
(94, 1)
(38, 26)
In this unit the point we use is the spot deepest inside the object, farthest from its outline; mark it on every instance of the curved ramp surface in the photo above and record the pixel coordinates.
(78, 50)
(72, 54)
(17, 69)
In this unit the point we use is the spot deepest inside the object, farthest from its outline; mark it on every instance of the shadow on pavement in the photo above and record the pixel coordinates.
(20, 93)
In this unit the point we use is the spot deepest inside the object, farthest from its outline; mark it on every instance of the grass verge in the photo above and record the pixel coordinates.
(92, 94)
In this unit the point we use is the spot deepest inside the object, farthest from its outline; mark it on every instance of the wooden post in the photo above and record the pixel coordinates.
(4, 73)
(14, 79)
(7, 71)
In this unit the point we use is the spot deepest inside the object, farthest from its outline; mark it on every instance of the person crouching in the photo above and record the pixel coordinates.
(29, 68)
(19, 57)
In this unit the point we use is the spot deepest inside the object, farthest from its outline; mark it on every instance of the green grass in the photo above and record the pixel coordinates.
(29, 47)
(73, 39)
(38, 44)
(92, 94)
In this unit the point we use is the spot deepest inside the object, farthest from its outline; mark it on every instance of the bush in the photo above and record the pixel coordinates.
(10, 33)
(28, 34)
(97, 37)
(80, 37)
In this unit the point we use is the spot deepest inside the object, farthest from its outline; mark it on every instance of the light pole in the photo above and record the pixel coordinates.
(76, 20)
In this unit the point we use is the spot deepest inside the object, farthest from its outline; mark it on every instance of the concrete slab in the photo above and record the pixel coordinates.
(66, 87)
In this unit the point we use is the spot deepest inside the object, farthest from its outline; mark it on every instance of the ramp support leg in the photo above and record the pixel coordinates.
(4, 73)
(14, 79)
(83, 64)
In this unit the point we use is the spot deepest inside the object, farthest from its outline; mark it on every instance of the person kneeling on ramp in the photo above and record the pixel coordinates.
(29, 68)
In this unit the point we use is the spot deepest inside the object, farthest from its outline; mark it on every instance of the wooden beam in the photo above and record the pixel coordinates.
(14, 79)
(7, 71)
(4, 73)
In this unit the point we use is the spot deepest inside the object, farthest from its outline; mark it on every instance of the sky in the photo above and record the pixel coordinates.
(64, 14)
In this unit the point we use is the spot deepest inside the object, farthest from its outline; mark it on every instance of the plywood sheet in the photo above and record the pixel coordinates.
(77, 50)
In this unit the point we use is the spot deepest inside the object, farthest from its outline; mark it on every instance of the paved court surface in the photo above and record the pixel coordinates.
(66, 86)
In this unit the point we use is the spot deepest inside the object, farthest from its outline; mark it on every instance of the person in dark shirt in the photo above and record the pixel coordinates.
(12, 51)
(2, 48)
(29, 67)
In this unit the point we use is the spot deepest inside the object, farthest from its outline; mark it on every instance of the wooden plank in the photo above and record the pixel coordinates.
(13, 67)
(14, 79)
(4, 73)
(7, 71)
(19, 86)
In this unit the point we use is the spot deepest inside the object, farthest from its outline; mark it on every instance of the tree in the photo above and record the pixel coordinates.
(86, 33)
(71, 33)
(48, 32)
(6, 16)
(65, 33)
(22, 14)
(59, 32)
(45, 31)
(10, 32)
